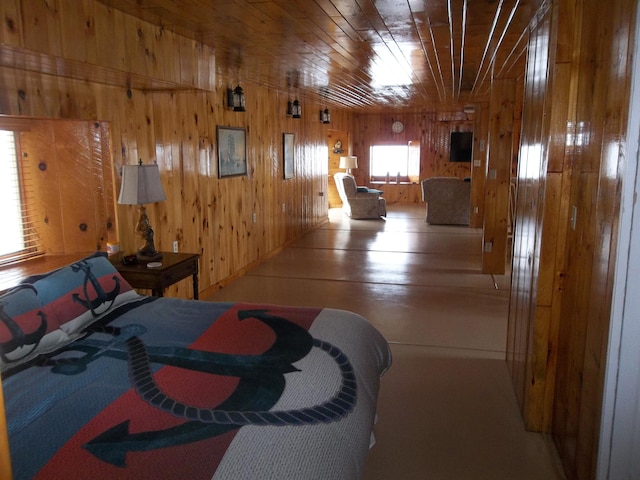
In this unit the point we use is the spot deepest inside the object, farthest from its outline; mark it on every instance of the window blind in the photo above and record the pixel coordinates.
(19, 239)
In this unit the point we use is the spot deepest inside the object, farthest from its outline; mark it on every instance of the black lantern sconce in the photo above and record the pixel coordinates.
(235, 99)
(325, 116)
(294, 109)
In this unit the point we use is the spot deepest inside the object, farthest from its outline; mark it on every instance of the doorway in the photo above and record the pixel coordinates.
(338, 146)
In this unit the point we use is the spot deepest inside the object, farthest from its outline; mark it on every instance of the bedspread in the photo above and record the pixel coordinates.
(170, 388)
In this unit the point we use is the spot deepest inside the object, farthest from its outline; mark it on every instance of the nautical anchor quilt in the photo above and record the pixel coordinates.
(167, 388)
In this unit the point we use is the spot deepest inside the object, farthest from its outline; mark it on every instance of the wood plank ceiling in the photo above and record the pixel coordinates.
(356, 54)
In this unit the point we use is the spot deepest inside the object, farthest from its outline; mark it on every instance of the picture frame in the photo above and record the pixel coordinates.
(288, 147)
(232, 151)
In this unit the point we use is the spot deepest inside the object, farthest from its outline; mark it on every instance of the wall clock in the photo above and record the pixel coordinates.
(397, 127)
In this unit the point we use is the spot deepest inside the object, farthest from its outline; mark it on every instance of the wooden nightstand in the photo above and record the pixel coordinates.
(175, 267)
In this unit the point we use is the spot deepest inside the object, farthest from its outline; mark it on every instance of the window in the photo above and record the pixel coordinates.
(17, 240)
(52, 211)
(395, 163)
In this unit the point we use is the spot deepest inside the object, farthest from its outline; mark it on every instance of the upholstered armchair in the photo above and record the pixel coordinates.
(365, 203)
(448, 200)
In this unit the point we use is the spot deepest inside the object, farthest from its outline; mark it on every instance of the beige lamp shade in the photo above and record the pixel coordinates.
(349, 162)
(141, 184)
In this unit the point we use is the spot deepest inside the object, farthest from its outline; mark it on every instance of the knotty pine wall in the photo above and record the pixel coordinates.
(502, 112)
(162, 99)
(569, 181)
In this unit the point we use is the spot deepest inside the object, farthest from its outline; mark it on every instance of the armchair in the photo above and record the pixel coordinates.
(448, 200)
(357, 204)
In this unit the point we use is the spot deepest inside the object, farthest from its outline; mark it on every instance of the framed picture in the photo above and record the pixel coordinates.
(287, 154)
(232, 151)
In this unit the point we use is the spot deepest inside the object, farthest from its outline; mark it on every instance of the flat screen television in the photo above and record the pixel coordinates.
(461, 146)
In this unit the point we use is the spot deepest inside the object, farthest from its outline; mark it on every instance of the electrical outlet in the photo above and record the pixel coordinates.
(175, 246)
(255, 217)
(488, 247)
(284, 207)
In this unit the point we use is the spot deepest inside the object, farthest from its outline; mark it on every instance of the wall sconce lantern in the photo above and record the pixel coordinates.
(141, 184)
(325, 116)
(235, 99)
(296, 109)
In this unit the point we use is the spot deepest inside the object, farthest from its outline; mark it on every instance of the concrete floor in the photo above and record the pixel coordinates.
(446, 409)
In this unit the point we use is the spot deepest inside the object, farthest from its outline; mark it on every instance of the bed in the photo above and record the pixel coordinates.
(101, 382)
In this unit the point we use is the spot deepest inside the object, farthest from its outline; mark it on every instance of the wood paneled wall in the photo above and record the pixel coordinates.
(431, 129)
(162, 100)
(479, 165)
(570, 175)
(538, 218)
(502, 114)
(86, 40)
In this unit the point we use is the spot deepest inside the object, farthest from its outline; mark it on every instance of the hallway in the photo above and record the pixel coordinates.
(446, 410)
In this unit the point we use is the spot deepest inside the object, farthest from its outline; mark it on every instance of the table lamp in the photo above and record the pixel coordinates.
(349, 163)
(140, 185)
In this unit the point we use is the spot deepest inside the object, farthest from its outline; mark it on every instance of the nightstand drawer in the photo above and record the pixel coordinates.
(179, 272)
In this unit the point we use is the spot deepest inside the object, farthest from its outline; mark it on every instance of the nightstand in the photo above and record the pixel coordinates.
(175, 267)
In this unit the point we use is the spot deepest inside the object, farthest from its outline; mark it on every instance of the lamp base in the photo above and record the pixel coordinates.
(147, 252)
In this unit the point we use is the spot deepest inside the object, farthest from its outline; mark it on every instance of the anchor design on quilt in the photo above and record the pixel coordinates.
(20, 338)
(261, 383)
(102, 297)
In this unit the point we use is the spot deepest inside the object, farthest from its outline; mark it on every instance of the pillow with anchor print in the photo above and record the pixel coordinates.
(25, 329)
(77, 295)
